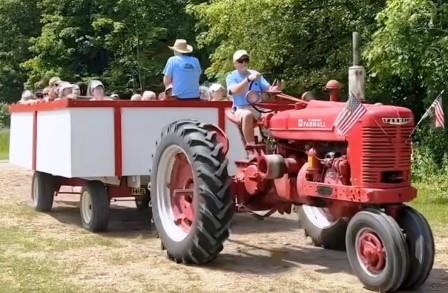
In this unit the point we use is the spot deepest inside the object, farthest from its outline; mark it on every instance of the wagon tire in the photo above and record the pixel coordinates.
(377, 250)
(322, 231)
(94, 207)
(190, 167)
(42, 191)
(420, 243)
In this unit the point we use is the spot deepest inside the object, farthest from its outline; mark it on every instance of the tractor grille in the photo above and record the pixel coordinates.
(385, 149)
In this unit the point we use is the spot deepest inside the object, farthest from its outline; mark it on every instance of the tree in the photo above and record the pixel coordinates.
(123, 42)
(304, 42)
(19, 22)
(408, 54)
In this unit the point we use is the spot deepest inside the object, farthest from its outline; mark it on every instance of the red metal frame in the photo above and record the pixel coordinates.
(34, 150)
(118, 142)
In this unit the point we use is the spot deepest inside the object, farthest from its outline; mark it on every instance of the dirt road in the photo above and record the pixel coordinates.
(260, 256)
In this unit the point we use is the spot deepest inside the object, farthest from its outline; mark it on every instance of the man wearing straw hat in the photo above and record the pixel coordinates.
(182, 72)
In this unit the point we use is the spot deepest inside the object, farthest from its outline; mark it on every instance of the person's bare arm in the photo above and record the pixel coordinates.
(240, 87)
(167, 80)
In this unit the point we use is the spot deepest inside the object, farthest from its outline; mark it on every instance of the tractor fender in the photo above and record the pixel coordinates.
(221, 136)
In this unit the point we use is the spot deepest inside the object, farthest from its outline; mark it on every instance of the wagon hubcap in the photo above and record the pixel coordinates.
(175, 201)
(86, 207)
(370, 251)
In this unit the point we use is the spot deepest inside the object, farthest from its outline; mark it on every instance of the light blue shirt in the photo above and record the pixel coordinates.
(185, 72)
(235, 77)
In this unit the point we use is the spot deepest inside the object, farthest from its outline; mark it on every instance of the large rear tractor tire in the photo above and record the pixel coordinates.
(321, 228)
(94, 207)
(420, 243)
(42, 191)
(377, 250)
(190, 187)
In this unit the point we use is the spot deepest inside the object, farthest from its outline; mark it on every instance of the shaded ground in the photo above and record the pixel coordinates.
(51, 252)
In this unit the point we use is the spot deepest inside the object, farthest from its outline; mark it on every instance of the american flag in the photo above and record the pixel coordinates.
(439, 116)
(351, 113)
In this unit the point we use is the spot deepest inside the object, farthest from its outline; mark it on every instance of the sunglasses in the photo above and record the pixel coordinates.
(243, 59)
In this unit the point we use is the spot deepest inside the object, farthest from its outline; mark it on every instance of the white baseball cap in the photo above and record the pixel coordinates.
(238, 54)
(215, 87)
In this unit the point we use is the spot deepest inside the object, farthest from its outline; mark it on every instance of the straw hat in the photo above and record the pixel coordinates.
(181, 46)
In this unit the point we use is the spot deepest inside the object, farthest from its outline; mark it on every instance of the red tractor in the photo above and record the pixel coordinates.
(350, 189)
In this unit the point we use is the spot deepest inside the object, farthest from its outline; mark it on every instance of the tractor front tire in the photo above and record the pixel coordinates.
(42, 191)
(420, 243)
(94, 207)
(190, 187)
(377, 250)
(323, 231)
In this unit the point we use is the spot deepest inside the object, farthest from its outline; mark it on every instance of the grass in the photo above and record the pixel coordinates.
(4, 144)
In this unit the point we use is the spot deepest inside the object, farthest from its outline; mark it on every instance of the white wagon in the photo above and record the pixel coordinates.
(105, 147)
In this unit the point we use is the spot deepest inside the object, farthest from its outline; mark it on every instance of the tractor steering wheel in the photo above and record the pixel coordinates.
(255, 97)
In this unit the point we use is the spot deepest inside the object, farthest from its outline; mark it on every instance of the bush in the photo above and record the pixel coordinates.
(4, 116)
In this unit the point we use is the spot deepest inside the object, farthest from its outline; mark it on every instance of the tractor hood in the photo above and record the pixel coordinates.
(315, 121)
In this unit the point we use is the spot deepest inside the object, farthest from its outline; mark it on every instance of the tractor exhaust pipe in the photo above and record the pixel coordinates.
(356, 73)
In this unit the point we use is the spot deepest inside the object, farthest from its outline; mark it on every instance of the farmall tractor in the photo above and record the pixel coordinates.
(350, 189)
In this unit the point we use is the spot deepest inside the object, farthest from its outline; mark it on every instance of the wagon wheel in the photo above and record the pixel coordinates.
(42, 191)
(377, 250)
(192, 206)
(323, 229)
(420, 244)
(94, 207)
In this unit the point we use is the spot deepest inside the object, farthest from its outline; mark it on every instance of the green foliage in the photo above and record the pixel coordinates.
(408, 54)
(122, 42)
(4, 116)
(304, 42)
(19, 22)
(4, 144)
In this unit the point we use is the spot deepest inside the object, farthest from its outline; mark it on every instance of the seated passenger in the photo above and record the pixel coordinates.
(217, 92)
(136, 97)
(76, 92)
(149, 95)
(97, 91)
(65, 90)
(53, 85)
(27, 97)
(204, 93)
(238, 83)
(115, 96)
(182, 72)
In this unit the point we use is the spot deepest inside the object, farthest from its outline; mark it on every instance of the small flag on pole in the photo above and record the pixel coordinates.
(350, 114)
(439, 116)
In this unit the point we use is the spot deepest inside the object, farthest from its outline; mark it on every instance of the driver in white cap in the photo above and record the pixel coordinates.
(238, 83)
(182, 72)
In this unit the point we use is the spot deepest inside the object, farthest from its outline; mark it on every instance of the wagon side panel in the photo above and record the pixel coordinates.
(142, 127)
(21, 139)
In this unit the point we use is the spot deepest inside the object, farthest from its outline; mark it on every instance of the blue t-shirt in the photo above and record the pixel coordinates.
(185, 72)
(235, 77)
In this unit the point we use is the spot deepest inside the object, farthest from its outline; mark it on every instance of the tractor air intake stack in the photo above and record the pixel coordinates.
(356, 73)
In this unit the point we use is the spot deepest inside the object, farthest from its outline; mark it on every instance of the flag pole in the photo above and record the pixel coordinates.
(426, 113)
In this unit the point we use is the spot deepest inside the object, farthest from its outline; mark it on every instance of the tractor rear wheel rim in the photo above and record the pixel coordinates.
(318, 216)
(370, 252)
(175, 197)
(86, 207)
